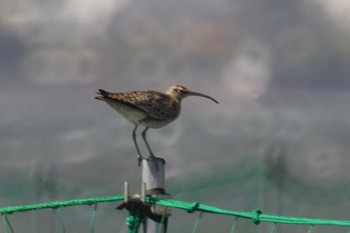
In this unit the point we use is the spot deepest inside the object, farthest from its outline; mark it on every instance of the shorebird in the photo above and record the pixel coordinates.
(151, 109)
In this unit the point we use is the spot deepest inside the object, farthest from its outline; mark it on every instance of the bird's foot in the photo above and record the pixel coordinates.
(139, 160)
(150, 158)
(153, 158)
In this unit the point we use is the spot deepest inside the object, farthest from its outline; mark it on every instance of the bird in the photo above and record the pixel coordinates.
(148, 108)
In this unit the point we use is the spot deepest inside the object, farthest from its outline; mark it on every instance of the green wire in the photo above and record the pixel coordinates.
(133, 222)
(256, 215)
(311, 228)
(59, 204)
(93, 219)
(7, 224)
(59, 220)
(234, 225)
(199, 218)
(273, 228)
(161, 224)
(4, 222)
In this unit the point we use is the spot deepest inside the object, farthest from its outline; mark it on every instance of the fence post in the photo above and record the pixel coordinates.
(153, 176)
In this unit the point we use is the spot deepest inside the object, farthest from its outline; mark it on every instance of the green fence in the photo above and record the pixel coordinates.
(133, 221)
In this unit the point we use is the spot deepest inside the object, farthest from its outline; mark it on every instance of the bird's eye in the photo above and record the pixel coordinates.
(179, 91)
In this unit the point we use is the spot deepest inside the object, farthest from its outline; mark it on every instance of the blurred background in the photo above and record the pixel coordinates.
(278, 140)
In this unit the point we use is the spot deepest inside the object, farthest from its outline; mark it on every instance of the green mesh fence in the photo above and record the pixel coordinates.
(134, 219)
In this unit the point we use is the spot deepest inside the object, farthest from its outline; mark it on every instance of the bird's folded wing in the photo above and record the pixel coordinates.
(158, 105)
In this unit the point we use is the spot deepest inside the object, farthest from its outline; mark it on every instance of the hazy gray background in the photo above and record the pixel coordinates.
(278, 140)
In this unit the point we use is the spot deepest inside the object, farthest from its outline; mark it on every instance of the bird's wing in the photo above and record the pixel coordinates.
(157, 104)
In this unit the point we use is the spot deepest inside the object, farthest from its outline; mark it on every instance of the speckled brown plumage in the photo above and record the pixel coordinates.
(152, 109)
(148, 108)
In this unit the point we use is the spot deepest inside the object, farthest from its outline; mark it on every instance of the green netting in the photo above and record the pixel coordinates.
(256, 216)
(134, 220)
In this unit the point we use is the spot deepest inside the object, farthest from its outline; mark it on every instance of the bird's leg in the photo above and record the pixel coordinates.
(137, 148)
(151, 155)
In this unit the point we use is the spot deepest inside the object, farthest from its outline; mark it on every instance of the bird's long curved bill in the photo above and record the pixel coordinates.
(202, 95)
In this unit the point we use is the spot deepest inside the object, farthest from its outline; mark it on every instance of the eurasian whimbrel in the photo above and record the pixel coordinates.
(152, 109)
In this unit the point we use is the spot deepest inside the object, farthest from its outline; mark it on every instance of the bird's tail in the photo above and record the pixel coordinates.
(102, 94)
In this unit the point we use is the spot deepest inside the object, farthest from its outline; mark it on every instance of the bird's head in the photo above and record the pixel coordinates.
(179, 92)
